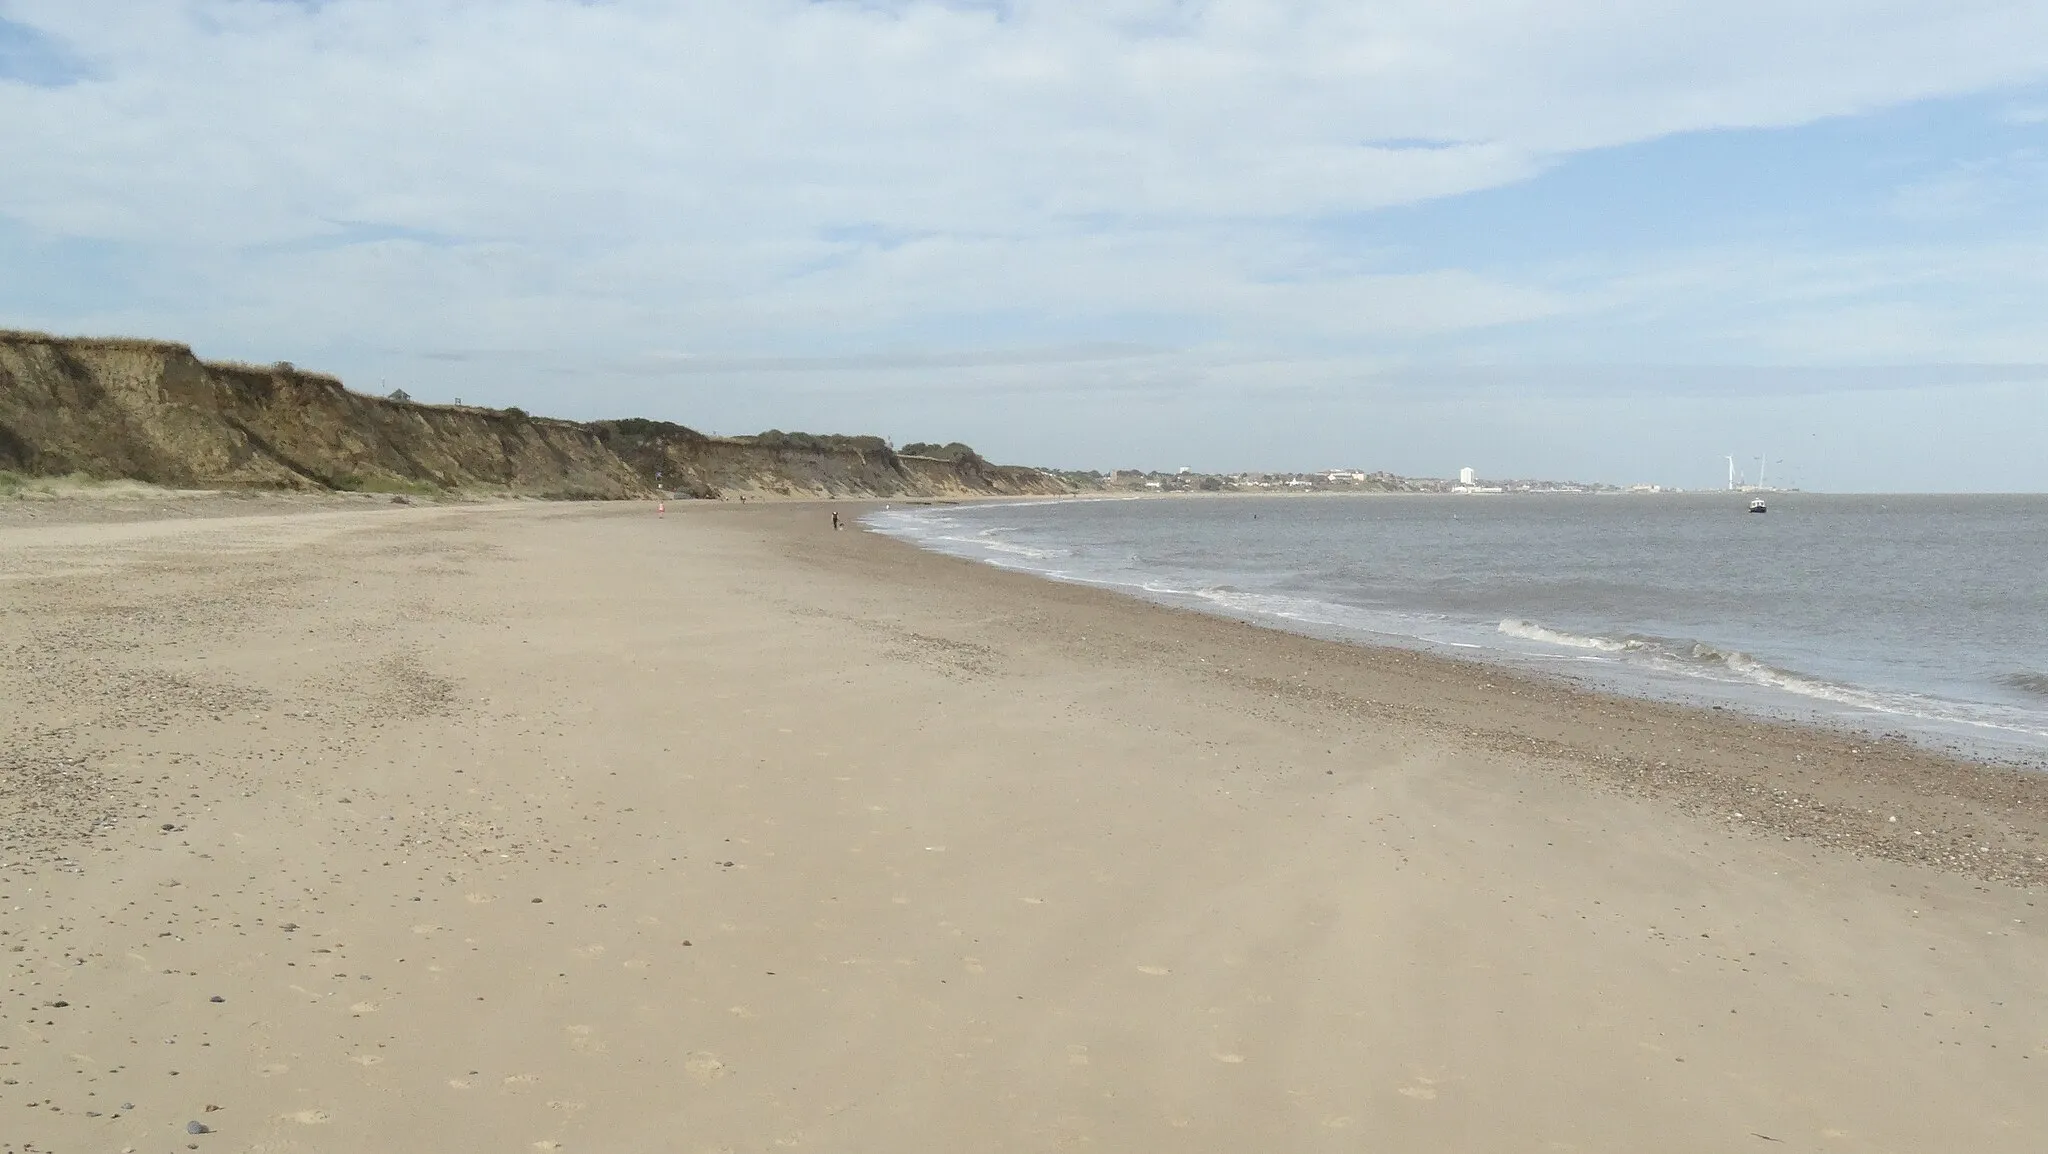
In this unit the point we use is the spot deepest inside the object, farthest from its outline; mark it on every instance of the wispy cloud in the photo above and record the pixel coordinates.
(1130, 195)
(673, 363)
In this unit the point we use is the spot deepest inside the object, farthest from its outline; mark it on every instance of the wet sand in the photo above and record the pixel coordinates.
(518, 827)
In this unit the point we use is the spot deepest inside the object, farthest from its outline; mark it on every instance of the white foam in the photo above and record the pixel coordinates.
(1530, 631)
(1702, 661)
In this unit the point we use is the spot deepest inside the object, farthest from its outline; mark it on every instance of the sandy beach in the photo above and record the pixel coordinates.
(339, 825)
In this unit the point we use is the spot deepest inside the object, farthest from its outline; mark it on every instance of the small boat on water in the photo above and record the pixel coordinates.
(1756, 505)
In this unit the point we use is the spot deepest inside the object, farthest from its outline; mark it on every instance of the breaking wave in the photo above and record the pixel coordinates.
(1530, 631)
(1687, 655)
(1690, 657)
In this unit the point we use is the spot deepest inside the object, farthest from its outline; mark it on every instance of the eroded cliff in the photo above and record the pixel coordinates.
(152, 411)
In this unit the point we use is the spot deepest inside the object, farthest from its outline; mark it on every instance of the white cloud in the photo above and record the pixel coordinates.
(763, 175)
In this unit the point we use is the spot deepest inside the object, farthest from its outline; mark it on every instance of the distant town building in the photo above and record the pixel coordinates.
(1465, 475)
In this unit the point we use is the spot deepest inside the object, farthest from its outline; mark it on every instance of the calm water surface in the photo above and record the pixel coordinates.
(1922, 615)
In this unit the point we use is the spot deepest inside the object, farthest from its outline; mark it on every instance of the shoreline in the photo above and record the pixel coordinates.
(1948, 736)
(1839, 769)
(578, 827)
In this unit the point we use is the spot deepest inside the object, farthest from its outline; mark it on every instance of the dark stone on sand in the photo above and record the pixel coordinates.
(216, 998)
(197, 1128)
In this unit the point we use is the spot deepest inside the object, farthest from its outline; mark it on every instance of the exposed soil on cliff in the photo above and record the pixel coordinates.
(153, 411)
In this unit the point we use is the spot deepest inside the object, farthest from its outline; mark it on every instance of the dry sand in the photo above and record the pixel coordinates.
(342, 827)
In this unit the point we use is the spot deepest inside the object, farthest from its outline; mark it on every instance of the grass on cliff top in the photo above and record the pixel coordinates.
(278, 369)
(32, 337)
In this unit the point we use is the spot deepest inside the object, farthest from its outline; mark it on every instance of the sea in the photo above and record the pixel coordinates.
(1923, 617)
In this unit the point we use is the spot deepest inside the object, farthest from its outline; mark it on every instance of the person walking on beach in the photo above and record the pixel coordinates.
(835, 522)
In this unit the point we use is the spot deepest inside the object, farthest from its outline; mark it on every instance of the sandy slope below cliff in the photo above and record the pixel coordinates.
(525, 827)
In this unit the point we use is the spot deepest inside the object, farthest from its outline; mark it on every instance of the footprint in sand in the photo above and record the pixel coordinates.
(635, 963)
(367, 1059)
(307, 1117)
(424, 930)
(478, 899)
(518, 1080)
(704, 1067)
(1155, 971)
(1077, 1055)
(972, 965)
(272, 1070)
(363, 1008)
(593, 950)
(582, 1040)
(1231, 1059)
(458, 1083)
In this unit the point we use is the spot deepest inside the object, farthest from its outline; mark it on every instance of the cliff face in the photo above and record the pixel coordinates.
(152, 411)
(798, 465)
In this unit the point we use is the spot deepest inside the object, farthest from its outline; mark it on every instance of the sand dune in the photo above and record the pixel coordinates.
(537, 827)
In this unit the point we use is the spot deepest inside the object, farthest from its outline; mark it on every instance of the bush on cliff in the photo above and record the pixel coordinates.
(816, 442)
(951, 451)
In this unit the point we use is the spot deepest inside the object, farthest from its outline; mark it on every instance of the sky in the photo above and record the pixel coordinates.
(1610, 240)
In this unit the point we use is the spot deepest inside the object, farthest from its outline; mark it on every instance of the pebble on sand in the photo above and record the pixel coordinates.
(198, 1128)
